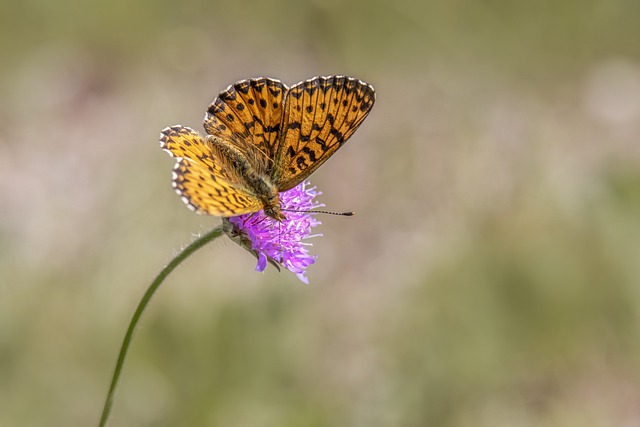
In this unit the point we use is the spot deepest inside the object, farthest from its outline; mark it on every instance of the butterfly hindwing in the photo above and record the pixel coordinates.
(182, 141)
(199, 179)
(248, 112)
(206, 192)
(320, 115)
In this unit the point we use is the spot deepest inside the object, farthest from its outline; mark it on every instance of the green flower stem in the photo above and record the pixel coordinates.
(184, 254)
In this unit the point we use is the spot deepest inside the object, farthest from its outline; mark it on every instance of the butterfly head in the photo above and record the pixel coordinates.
(274, 212)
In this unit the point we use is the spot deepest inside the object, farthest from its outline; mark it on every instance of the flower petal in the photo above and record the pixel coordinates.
(281, 242)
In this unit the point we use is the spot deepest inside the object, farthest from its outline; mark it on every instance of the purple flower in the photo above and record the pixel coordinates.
(280, 243)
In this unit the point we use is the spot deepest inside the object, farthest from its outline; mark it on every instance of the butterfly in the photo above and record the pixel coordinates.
(262, 139)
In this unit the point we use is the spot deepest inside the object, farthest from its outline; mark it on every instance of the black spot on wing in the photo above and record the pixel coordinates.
(310, 153)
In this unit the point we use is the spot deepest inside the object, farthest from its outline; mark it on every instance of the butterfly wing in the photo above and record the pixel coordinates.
(248, 112)
(320, 115)
(199, 180)
(182, 141)
(205, 192)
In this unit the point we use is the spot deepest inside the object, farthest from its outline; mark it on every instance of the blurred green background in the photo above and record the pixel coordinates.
(491, 276)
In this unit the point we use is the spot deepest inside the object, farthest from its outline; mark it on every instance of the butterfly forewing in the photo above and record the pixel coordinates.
(248, 112)
(199, 179)
(320, 115)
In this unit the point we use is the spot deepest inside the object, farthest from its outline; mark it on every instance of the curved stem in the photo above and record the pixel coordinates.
(177, 260)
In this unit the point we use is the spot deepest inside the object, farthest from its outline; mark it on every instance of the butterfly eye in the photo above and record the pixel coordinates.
(275, 213)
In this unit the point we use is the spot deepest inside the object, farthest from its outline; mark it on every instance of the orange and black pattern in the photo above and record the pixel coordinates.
(320, 115)
(248, 111)
(198, 178)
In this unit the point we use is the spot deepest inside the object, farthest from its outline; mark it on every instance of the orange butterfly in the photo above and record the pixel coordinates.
(263, 138)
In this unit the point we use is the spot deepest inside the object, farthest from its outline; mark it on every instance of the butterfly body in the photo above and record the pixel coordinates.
(248, 173)
(263, 138)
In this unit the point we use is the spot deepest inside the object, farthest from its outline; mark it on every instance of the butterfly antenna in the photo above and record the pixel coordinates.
(322, 212)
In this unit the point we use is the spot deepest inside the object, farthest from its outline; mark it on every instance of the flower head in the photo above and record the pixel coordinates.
(280, 243)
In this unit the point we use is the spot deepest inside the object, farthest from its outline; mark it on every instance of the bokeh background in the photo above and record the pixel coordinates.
(491, 276)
